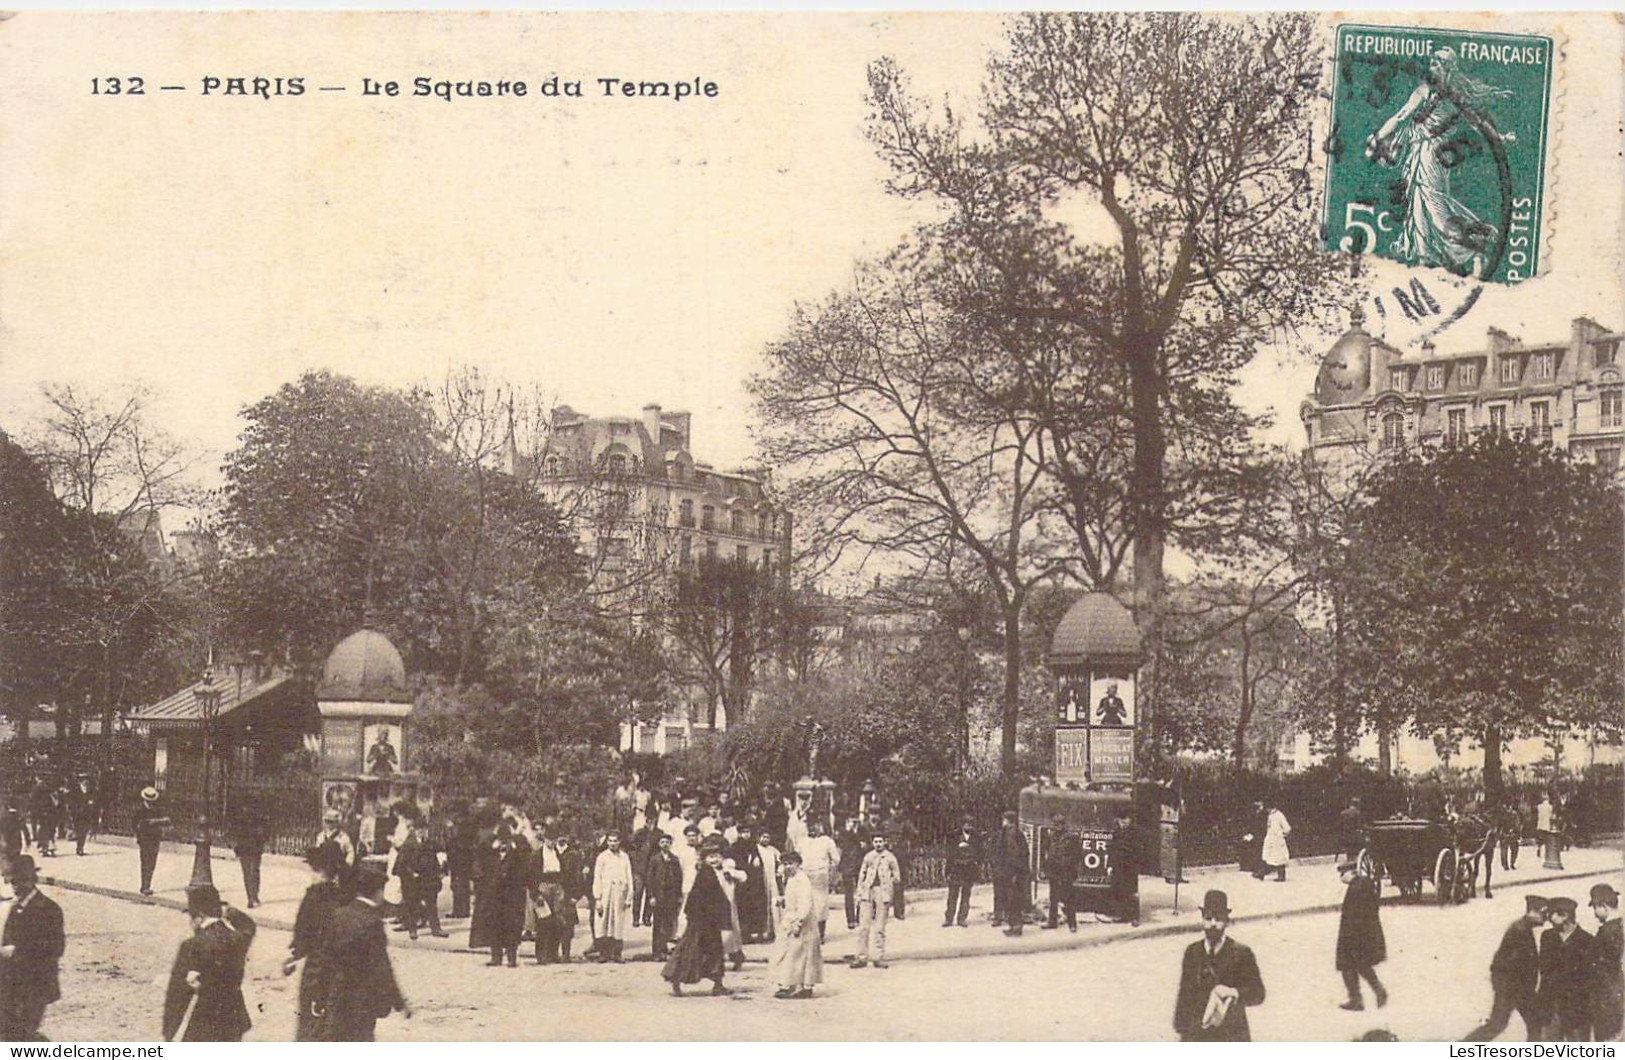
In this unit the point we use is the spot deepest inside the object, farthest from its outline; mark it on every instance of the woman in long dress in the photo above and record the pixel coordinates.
(1424, 138)
(700, 954)
(798, 961)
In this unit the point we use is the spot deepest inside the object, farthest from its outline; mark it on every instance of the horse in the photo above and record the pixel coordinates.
(1475, 836)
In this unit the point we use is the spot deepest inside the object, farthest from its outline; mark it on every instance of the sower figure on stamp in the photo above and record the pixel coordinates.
(358, 987)
(205, 994)
(1218, 980)
(1360, 943)
(1514, 975)
(31, 944)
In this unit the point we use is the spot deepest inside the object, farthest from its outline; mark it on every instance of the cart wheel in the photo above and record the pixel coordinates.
(1444, 876)
(1368, 866)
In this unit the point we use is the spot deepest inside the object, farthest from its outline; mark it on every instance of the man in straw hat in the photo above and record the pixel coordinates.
(1514, 974)
(333, 832)
(150, 822)
(30, 948)
(1608, 990)
(1218, 979)
(205, 995)
(1566, 954)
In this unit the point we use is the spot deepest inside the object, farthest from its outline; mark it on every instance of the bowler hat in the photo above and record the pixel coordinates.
(203, 900)
(1603, 894)
(22, 865)
(1215, 906)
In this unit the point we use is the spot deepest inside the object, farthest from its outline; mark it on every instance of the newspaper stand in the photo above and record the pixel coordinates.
(1095, 656)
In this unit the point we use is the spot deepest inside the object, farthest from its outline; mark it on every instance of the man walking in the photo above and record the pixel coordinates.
(663, 889)
(964, 859)
(1010, 876)
(31, 944)
(612, 898)
(1062, 865)
(1510, 827)
(877, 884)
(205, 992)
(1607, 988)
(1218, 980)
(333, 832)
(1566, 955)
(249, 834)
(1514, 975)
(359, 987)
(84, 812)
(1360, 943)
(150, 823)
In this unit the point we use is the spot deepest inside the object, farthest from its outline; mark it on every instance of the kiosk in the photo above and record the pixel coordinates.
(1095, 656)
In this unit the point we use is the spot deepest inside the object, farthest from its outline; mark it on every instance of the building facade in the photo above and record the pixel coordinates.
(644, 508)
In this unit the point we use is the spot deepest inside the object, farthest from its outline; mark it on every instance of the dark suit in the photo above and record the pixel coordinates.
(1010, 875)
(1514, 974)
(1062, 865)
(358, 983)
(149, 832)
(1234, 966)
(1564, 1000)
(28, 980)
(663, 884)
(316, 911)
(964, 859)
(1607, 989)
(217, 954)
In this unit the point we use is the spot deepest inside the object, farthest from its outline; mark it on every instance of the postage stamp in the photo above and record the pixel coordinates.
(1436, 150)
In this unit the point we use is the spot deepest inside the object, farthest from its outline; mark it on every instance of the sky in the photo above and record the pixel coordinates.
(611, 252)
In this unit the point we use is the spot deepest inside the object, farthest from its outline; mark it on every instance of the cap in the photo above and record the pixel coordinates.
(203, 900)
(149, 794)
(1603, 894)
(1215, 906)
(22, 865)
(1562, 905)
(369, 879)
(1534, 903)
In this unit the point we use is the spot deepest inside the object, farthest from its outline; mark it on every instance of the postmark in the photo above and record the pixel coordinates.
(1436, 149)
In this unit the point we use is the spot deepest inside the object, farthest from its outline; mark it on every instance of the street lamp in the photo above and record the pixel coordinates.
(208, 701)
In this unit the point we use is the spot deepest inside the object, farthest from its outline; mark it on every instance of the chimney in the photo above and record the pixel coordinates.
(1427, 347)
(1584, 329)
(651, 422)
(681, 422)
(1500, 341)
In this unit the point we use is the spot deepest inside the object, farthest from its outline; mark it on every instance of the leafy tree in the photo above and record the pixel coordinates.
(1190, 135)
(1485, 581)
(723, 617)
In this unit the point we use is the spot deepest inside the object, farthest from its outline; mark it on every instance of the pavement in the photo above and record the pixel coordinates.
(109, 868)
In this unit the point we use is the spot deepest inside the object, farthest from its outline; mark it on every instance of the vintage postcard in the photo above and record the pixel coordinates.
(1077, 526)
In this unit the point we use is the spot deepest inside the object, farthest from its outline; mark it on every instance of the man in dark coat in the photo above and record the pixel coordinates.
(461, 856)
(1061, 866)
(250, 831)
(150, 822)
(1351, 830)
(1360, 943)
(499, 916)
(663, 887)
(964, 860)
(207, 979)
(13, 832)
(853, 843)
(46, 805)
(316, 909)
(750, 895)
(1608, 977)
(30, 947)
(417, 863)
(358, 987)
(1514, 975)
(1567, 953)
(82, 812)
(1010, 875)
(1218, 980)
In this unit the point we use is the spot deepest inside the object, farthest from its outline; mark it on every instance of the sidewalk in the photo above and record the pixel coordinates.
(110, 868)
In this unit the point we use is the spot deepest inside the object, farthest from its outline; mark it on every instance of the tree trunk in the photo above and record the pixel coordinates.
(1340, 705)
(1238, 748)
(1147, 490)
(1385, 755)
(1012, 690)
(1493, 788)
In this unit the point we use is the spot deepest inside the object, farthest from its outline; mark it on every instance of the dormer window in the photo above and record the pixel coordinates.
(1468, 373)
(1544, 367)
(1606, 353)
(1435, 377)
(1509, 371)
(1399, 379)
(617, 464)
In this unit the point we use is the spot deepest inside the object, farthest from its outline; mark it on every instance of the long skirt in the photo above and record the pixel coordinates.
(698, 956)
(799, 962)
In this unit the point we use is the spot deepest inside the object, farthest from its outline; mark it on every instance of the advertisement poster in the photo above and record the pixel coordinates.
(1071, 755)
(1111, 697)
(1111, 756)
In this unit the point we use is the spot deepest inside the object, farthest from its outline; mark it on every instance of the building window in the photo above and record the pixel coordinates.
(685, 513)
(1498, 419)
(708, 518)
(1456, 429)
(1545, 365)
(1393, 431)
(1540, 420)
(1435, 377)
(1609, 403)
(737, 521)
(1509, 371)
(1469, 375)
(710, 550)
(1398, 379)
(1608, 457)
(742, 553)
(761, 525)
(554, 465)
(1606, 352)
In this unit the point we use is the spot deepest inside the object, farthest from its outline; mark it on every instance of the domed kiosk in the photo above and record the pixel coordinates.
(365, 744)
(1092, 794)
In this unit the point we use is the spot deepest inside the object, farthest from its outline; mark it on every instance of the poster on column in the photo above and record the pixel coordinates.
(1111, 697)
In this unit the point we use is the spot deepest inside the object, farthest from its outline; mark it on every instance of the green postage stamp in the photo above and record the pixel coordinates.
(1436, 150)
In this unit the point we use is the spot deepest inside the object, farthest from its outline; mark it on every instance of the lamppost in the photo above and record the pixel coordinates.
(208, 701)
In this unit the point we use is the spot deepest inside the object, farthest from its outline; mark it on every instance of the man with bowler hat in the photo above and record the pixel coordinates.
(150, 823)
(1566, 955)
(30, 947)
(205, 992)
(1608, 991)
(359, 985)
(1514, 974)
(1218, 980)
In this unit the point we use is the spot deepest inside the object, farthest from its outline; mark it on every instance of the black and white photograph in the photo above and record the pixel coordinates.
(790, 526)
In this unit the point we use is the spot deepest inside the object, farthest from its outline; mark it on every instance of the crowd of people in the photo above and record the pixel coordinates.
(55, 807)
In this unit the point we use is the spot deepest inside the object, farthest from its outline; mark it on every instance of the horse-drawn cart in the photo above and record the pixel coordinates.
(1410, 851)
